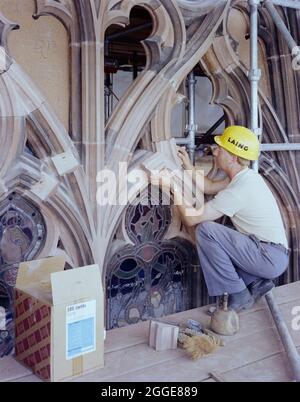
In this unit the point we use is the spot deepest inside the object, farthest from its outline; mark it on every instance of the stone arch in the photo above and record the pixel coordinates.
(162, 89)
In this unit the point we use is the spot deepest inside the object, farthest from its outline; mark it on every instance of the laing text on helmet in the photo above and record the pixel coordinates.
(238, 144)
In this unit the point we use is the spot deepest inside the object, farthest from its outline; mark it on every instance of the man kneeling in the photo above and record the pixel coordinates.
(241, 262)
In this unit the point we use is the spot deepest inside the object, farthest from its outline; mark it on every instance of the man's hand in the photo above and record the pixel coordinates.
(185, 159)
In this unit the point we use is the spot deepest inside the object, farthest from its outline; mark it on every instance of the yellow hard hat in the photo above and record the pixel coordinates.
(239, 141)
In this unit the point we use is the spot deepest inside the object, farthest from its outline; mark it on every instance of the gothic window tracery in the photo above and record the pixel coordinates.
(22, 233)
(151, 278)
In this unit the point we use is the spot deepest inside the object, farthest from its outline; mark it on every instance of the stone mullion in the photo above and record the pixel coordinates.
(92, 116)
(75, 101)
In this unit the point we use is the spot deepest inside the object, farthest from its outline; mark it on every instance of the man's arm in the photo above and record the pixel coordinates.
(211, 187)
(203, 183)
(192, 216)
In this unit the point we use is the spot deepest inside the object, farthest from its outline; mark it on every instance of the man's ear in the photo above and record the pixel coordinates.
(234, 158)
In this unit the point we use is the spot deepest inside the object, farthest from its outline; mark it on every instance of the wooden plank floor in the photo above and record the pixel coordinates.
(254, 354)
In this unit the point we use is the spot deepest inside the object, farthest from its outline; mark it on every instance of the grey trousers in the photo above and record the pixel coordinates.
(231, 260)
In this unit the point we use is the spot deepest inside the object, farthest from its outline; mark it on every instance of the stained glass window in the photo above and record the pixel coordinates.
(154, 277)
(22, 235)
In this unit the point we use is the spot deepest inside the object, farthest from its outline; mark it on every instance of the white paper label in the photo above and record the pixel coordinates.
(80, 329)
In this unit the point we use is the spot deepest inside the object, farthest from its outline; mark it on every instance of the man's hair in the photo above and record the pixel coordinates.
(241, 161)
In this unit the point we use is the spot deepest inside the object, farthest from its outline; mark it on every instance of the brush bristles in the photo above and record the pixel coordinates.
(200, 345)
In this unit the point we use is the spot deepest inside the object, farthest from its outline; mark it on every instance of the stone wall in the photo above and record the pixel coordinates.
(41, 48)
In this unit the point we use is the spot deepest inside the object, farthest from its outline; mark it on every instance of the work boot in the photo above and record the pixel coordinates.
(260, 287)
(241, 300)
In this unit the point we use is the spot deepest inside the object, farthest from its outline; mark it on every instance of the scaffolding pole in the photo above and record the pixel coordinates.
(286, 339)
(192, 125)
(190, 140)
(280, 147)
(255, 73)
(281, 25)
(287, 3)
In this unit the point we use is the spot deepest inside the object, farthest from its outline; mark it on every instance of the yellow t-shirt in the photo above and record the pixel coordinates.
(252, 207)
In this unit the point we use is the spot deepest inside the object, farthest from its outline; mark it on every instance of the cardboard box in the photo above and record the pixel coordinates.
(59, 319)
